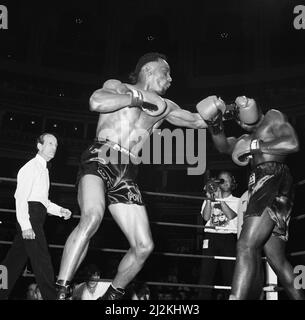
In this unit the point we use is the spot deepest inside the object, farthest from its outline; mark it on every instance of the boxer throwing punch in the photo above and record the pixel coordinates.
(128, 113)
(271, 138)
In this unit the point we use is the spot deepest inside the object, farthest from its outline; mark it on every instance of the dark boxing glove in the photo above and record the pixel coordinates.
(244, 110)
(248, 111)
(149, 102)
(244, 149)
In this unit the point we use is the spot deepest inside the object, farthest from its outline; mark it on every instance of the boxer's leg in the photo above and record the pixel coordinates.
(133, 221)
(255, 232)
(275, 253)
(91, 198)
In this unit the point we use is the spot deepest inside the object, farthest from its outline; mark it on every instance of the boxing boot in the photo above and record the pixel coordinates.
(64, 292)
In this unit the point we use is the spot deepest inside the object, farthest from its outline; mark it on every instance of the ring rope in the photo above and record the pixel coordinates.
(300, 183)
(69, 185)
(165, 223)
(298, 253)
(268, 288)
(299, 217)
(169, 254)
(153, 222)
(171, 195)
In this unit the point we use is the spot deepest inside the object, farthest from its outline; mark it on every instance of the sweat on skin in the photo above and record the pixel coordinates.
(184, 143)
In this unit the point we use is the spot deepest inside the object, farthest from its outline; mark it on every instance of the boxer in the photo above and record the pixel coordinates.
(125, 111)
(269, 141)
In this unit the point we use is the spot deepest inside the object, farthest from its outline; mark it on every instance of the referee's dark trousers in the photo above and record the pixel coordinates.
(35, 249)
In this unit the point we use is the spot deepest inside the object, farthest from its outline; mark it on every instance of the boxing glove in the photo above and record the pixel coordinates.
(244, 149)
(248, 111)
(151, 103)
(211, 110)
(122, 88)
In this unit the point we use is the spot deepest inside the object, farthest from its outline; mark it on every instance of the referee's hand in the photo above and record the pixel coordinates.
(28, 234)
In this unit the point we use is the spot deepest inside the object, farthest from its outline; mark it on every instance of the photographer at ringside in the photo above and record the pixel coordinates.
(220, 217)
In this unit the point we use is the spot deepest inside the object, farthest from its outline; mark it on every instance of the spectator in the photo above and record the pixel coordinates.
(33, 292)
(140, 291)
(220, 239)
(92, 288)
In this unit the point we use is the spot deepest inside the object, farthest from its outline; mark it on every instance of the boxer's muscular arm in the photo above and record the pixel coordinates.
(285, 141)
(222, 143)
(211, 109)
(183, 118)
(112, 97)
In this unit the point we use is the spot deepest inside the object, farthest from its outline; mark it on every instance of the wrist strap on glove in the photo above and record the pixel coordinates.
(136, 98)
(216, 125)
(255, 145)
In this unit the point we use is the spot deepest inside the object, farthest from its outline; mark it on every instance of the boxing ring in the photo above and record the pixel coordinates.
(271, 287)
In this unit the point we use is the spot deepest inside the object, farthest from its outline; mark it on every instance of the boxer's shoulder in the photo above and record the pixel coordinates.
(171, 104)
(112, 84)
(275, 115)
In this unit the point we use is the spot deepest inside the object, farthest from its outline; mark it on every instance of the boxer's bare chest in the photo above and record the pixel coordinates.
(130, 127)
(266, 130)
(128, 118)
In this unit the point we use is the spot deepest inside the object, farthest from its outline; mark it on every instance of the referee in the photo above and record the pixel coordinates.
(32, 206)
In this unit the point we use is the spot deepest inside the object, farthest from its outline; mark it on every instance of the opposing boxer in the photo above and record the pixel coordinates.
(270, 140)
(128, 115)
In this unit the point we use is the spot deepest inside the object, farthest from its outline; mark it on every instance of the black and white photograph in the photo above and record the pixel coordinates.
(152, 150)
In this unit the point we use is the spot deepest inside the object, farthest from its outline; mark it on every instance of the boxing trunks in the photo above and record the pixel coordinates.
(270, 188)
(113, 164)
